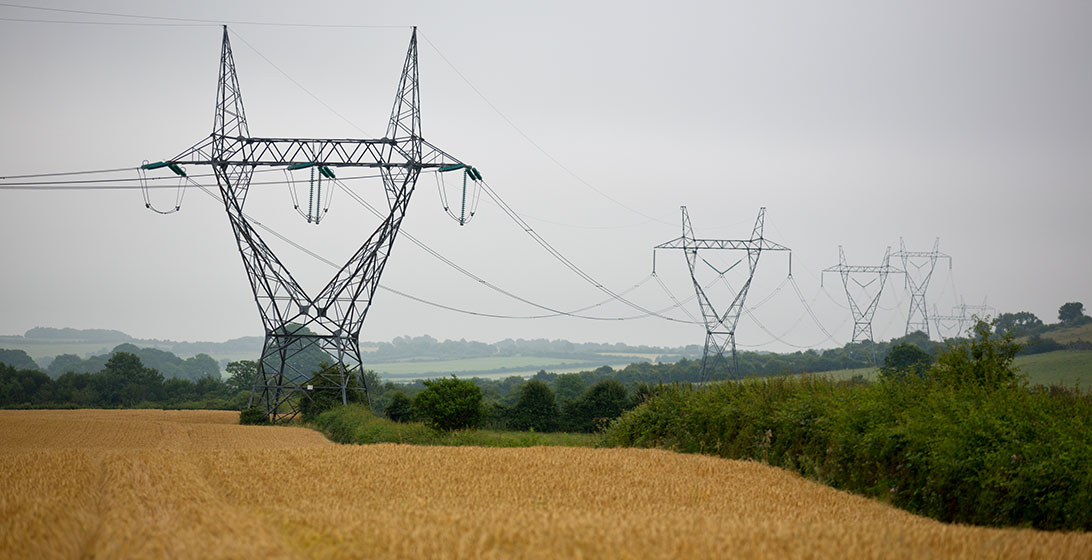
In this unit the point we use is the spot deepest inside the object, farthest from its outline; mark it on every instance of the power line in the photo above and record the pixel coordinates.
(191, 20)
(530, 140)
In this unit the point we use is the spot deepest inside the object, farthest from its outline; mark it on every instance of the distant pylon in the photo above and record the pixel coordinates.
(862, 316)
(962, 315)
(917, 281)
(720, 328)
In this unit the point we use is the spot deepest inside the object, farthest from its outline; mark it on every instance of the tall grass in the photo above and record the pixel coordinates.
(357, 424)
(1002, 457)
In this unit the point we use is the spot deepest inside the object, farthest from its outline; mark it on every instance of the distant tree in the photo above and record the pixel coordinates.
(400, 408)
(24, 386)
(985, 360)
(201, 365)
(125, 381)
(18, 359)
(1017, 323)
(241, 375)
(178, 390)
(1071, 312)
(450, 404)
(601, 403)
(905, 360)
(569, 387)
(79, 388)
(536, 409)
(66, 363)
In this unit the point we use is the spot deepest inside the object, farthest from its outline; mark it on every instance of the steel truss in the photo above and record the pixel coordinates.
(720, 328)
(917, 281)
(962, 315)
(862, 316)
(297, 324)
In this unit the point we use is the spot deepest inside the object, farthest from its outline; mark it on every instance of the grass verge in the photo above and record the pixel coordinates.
(357, 424)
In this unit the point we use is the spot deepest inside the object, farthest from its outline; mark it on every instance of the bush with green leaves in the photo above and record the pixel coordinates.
(903, 361)
(450, 404)
(400, 408)
(597, 407)
(966, 443)
(323, 392)
(253, 415)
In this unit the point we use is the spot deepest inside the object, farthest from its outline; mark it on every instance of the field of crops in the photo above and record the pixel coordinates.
(191, 483)
(496, 366)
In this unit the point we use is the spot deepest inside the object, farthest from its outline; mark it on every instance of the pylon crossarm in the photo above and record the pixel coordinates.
(728, 244)
(285, 152)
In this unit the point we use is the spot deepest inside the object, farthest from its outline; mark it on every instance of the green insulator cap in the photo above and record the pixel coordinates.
(177, 170)
(454, 167)
(327, 172)
(155, 165)
(296, 166)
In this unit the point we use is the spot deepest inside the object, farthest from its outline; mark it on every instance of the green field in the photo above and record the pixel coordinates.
(1068, 368)
(1065, 336)
(488, 367)
(1065, 367)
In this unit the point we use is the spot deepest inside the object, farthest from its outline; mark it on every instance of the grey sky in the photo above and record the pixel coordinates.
(854, 123)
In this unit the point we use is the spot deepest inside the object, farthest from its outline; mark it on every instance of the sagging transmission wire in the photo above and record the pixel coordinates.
(807, 308)
(552, 311)
(530, 140)
(110, 184)
(530, 231)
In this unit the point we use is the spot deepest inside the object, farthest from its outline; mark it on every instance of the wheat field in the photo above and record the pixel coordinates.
(185, 484)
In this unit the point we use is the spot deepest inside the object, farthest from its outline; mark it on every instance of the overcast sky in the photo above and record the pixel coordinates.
(853, 123)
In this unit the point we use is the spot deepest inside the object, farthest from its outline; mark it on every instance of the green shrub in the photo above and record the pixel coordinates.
(1004, 456)
(357, 424)
(253, 415)
(325, 392)
(400, 408)
(450, 404)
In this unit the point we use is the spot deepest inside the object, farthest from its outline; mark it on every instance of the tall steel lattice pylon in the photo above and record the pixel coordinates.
(720, 328)
(297, 324)
(862, 316)
(917, 281)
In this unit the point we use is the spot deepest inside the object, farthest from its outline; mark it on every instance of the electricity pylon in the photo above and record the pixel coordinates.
(720, 328)
(297, 324)
(862, 316)
(962, 315)
(917, 281)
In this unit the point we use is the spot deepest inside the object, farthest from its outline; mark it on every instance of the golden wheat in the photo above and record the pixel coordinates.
(188, 484)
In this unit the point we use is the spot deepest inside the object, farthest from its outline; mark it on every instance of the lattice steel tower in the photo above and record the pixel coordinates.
(295, 322)
(917, 281)
(962, 315)
(720, 328)
(862, 316)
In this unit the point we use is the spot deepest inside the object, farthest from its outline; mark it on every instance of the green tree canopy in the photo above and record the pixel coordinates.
(601, 403)
(241, 375)
(905, 360)
(1017, 323)
(535, 409)
(450, 404)
(18, 359)
(1071, 312)
(986, 360)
